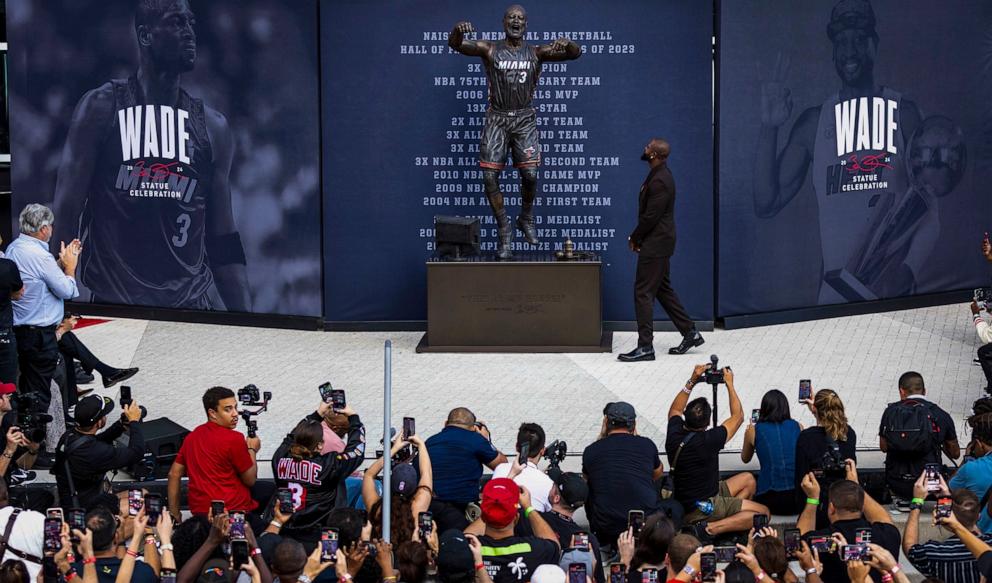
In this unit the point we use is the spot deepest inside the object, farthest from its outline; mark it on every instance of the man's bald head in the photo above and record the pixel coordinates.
(660, 147)
(461, 416)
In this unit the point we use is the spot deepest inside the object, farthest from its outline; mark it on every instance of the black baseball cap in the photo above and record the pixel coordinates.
(454, 556)
(91, 409)
(572, 487)
(620, 411)
(404, 480)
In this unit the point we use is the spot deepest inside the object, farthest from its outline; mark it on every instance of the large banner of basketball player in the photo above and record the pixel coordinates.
(404, 117)
(179, 141)
(854, 151)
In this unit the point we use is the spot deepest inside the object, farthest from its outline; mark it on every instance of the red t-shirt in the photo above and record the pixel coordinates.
(215, 457)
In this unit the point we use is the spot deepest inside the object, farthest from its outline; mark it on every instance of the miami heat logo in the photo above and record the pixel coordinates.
(530, 152)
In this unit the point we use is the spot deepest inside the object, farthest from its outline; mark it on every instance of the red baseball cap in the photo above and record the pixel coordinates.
(500, 497)
(7, 388)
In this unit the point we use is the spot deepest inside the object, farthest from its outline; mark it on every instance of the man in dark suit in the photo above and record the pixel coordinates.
(654, 242)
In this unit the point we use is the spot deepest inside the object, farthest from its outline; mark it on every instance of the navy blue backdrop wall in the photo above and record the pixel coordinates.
(807, 219)
(254, 66)
(402, 115)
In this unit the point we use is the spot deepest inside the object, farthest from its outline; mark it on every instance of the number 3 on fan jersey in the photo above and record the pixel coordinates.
(299, 495)
(182, 223)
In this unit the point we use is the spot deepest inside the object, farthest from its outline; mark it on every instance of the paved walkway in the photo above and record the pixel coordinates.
(860, 357)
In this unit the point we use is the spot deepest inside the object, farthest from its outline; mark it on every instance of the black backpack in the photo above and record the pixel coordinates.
(911, 429)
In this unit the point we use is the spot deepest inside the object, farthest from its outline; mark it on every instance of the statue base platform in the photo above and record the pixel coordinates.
(531, 303)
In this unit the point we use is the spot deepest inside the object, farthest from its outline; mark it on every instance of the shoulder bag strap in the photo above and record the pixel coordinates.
(675, 460)
(5, 540)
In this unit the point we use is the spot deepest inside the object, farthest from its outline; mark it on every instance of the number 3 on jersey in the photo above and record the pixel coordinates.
(182, 225)
(517, 76)
(299, 495)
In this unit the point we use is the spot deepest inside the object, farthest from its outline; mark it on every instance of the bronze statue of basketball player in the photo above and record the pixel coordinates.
(512, 70)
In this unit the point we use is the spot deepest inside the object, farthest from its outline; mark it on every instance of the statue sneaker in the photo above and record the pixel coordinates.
(526, 225)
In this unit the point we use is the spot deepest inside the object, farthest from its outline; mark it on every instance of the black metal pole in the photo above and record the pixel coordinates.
(714, 403)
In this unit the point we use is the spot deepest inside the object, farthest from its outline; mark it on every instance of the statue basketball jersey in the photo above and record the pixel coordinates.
(512, 76)
(143, 225)
(858, 158)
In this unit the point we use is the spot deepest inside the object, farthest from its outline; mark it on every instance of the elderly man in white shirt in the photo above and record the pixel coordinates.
(525, 471)
(47, 284)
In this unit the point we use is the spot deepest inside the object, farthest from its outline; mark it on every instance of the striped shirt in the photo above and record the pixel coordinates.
(947, 560)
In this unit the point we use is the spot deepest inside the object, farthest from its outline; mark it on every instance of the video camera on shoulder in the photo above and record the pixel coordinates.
(250, 396)
(555, 453)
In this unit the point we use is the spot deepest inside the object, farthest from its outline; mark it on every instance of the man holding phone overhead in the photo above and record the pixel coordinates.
(87, 454)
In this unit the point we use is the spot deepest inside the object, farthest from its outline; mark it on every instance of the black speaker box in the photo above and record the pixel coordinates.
(163, 438)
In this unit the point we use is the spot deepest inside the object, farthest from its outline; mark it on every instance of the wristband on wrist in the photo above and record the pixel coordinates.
(163, 548)
(688, 570)
(131, 553)
(760, 576)
(916, 501)
(275, 523)
(255, 552)
(811, 571)
(895, 569)
(70, 576)
(480, 566)
(528, 511)
(813, 501)
(886, 577)
(89, 561)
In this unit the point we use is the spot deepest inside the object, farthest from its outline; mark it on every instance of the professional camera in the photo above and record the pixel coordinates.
(31, 418)
(555, 453)
(714, 374)
(144, 468)
(832, 463)
(250, 396)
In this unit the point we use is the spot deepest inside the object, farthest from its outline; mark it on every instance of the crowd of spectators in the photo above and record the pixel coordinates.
(648, 520)
(321, 518)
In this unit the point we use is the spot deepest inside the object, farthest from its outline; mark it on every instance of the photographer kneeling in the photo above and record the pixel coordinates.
(86, 455)
(17, 445)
